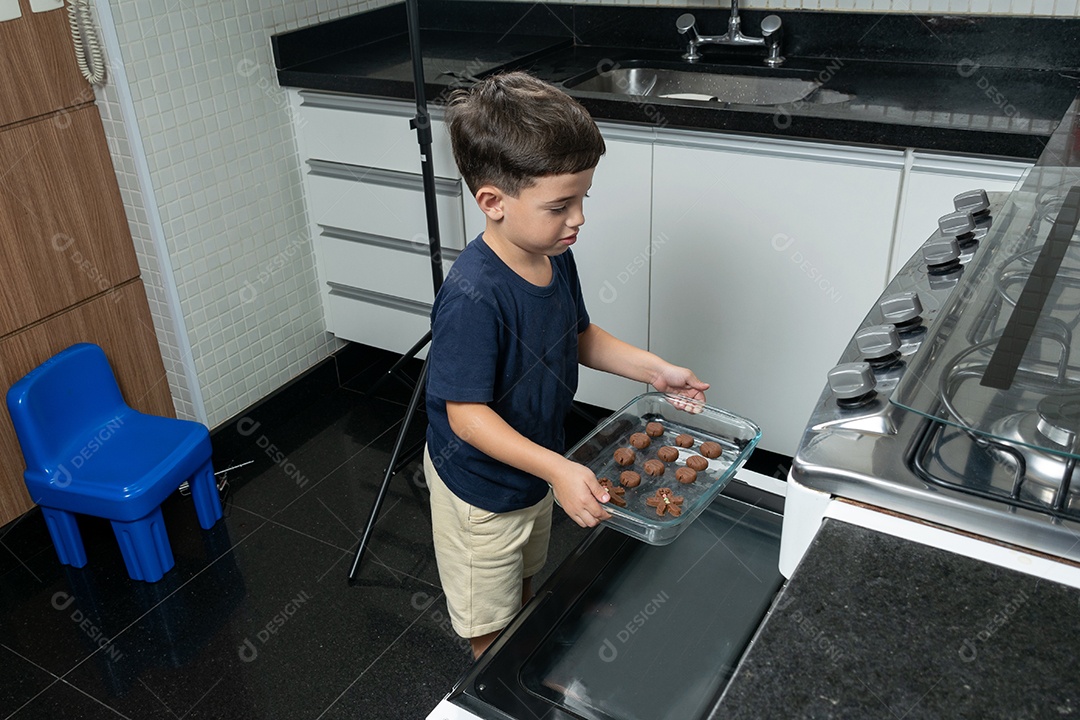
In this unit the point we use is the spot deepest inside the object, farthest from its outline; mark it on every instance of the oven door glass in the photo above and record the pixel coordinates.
(656, 632)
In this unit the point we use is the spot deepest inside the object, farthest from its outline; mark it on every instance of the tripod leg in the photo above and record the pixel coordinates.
(409, 355)
(391, 467)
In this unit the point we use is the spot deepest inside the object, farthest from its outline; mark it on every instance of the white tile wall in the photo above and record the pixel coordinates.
(217, 215)
(165, 326)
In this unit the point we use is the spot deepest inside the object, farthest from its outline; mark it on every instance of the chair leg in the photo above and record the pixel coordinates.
(145, 546)
(205, 494)
(65, 536)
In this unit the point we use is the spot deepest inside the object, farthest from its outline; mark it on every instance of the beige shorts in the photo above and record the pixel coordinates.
(483, 557)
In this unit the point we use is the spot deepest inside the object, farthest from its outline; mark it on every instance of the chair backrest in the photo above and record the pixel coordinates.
(63, 401)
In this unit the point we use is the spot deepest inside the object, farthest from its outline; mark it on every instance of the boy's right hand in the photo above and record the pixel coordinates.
(579, 494)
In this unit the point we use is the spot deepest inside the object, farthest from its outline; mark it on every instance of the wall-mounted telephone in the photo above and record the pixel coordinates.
(84, 37)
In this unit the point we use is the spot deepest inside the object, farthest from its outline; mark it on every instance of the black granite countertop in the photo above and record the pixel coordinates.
(876, 626)
(984, 85)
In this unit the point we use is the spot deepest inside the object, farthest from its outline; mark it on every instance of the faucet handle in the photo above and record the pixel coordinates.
(772, 30)
(684, 23)
(771, 24)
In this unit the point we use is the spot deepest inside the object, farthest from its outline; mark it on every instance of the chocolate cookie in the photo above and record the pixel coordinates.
(615, 493)
(640, 440)
(654, 429)
(667, 454)
(711, 450)
(625, 456)
(666, 502)
(654, 468)
(684, 441)
(686, 475)
(630, 479)
(696, 462)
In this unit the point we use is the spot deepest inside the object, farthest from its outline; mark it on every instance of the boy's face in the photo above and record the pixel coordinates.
(544, 218)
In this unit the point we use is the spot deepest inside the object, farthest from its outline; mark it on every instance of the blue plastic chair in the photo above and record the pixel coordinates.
(87, 452)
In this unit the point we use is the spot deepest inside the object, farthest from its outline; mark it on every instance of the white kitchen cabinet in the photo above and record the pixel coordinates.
(750, 260)
(366, 210)
(613, 254)
(931, 183)
(769, 254)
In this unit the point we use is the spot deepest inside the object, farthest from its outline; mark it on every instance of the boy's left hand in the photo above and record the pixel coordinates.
(680, 381)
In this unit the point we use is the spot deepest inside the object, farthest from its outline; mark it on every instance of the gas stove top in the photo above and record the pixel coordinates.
(957, 401)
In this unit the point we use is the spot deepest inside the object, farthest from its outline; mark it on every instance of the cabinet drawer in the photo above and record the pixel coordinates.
(366, 131)
(382, 202)
(383, 265)
(382, 321)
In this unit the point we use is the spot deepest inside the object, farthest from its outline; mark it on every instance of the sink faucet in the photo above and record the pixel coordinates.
(770, 30)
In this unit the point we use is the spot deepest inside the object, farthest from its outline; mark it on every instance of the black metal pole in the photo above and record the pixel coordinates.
(422, 124)
(414, 402)
(400, 363)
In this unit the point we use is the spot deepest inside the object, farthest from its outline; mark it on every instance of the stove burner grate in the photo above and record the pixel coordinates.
(949, 457)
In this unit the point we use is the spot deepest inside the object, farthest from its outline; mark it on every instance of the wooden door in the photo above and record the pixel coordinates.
(37, 64)
(63, 234)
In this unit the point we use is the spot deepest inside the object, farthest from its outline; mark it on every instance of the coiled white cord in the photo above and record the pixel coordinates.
(84, 38)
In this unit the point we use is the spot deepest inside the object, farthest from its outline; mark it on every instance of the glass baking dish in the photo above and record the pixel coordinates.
(736, 436)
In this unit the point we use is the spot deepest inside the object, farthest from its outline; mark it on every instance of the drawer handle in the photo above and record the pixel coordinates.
(358, 104)
(381, 299)
(391, 243)
(379, 176)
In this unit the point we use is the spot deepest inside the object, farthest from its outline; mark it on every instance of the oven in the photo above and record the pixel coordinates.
(953, 416)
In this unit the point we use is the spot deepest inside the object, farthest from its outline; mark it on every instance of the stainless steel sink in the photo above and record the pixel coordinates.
(733, 88)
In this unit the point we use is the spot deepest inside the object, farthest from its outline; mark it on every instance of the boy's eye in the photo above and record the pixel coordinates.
(562, 208)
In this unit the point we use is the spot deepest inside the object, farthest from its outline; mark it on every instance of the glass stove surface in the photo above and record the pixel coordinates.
(658, 635)
(1009, 374)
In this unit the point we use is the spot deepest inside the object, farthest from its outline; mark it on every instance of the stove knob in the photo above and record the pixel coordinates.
(878, 344)
(959, 225)
(973, 202)
(902, 309)
(942, 255)
(852, 383)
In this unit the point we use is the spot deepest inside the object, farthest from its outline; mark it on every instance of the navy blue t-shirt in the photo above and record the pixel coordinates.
(500, 340)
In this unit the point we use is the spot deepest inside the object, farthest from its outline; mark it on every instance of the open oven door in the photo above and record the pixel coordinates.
(629, 631)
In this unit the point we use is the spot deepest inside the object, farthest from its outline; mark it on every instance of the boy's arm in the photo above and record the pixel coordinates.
(574, 485)
(601, 350)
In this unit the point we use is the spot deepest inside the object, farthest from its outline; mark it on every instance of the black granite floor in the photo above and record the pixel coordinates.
(257, 619)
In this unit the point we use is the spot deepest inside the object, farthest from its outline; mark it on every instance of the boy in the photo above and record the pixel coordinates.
(509, 327)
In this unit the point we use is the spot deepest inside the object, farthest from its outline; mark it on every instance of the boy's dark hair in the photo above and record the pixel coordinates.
(511, 128)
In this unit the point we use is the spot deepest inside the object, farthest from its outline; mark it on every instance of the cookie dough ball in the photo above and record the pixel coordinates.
(686, 475)
(696, 462)
(684, 441)
(711, 450)
(667, 454)
(654, 468)
(624, 456)
(640, 440)
(629, 479)
(654, 429)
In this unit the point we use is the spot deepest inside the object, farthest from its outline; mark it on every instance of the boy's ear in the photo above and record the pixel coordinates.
(490, 200)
